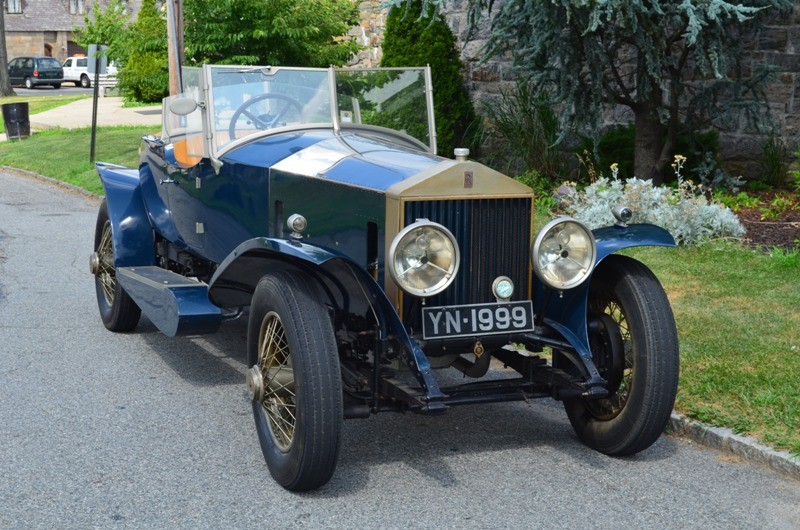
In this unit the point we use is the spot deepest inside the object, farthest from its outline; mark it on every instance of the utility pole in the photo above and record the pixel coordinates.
(175, 45)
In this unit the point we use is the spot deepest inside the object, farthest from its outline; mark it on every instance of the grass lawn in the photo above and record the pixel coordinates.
(64, 155)
(40, 104)
(738, 311)
(738, 316)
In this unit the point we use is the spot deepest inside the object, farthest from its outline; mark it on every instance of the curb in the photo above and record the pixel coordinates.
(55, 182)
(745, 447)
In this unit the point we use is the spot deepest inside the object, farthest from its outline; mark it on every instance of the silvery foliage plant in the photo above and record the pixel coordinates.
(683, 211)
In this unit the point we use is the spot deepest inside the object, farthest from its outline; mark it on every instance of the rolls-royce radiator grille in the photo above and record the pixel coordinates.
(494, 238)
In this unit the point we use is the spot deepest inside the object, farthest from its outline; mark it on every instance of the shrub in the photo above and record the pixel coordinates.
(415, 40)
(145, 74)
(689, 217)
(144, 78)
(524, 124)
(774, 164)
(795, 175)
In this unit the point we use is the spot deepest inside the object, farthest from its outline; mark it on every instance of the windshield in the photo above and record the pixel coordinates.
(237, 102)
(248, 100)
(391, 98)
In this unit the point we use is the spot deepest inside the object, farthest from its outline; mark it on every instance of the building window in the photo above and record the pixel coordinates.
(14, 6)
(76, 7)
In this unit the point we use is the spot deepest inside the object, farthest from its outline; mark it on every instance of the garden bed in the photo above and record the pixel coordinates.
(774, 221)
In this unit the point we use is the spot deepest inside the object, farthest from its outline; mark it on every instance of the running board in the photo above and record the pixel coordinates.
(177, 305)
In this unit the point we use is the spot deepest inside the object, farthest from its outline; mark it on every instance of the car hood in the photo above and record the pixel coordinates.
(357, 158)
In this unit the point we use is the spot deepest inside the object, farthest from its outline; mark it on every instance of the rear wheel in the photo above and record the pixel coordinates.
(85, 83)
(29, 83)
(57, 85)
(117, 310)
(294, 381)
(635, 347)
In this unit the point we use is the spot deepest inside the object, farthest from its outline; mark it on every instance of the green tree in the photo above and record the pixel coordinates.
(269, 32)
(673, 63)
(106, 25)
(413, 40)
(145, 71)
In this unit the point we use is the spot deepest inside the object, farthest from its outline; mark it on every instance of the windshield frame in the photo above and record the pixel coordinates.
(215, 146)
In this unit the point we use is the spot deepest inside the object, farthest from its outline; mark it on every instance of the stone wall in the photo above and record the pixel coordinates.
(777, 44)
(27, 43)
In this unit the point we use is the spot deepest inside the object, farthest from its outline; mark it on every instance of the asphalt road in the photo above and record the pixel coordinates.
(67, 89)
(141, 431)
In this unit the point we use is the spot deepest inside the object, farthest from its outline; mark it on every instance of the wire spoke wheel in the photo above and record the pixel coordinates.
(635, 348)
(275, 362)
(117, 310)
(105, 254)
(294, 380)
(618, 371)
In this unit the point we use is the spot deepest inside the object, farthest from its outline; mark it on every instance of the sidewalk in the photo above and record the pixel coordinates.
(79, 114)
(109, 112)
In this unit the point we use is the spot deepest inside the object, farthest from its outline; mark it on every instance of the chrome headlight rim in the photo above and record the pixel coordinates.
(390, 259)
(537, 244)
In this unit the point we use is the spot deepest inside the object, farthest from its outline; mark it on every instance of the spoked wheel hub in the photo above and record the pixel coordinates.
(270, 381)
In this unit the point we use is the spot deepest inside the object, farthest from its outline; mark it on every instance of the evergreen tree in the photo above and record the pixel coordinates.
(413, 40)
(673, 63)
(145, 73)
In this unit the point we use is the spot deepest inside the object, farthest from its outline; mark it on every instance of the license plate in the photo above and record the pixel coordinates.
(477, 319)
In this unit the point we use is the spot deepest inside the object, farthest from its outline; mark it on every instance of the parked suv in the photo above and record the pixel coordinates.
(35, 71)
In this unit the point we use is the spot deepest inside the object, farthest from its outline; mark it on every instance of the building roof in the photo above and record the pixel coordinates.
(52, 15)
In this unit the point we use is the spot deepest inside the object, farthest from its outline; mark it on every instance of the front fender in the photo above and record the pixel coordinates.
(346, 283)
(566, 311)
(130, 226)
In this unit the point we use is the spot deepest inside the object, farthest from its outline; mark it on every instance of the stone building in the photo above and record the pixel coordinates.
(777, 44)
(44, 27)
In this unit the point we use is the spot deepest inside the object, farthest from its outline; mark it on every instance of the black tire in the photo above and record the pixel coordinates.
(294, 365)
(117, 310)
(635, 346)
(29, 83)
(57, 85)
(84, 82)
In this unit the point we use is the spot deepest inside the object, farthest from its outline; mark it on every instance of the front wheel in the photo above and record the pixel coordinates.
(635, 347)
(117, 310)
(56, 85)
(294, 381)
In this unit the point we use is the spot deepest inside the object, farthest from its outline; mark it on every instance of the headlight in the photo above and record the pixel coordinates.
(423, 258)
(563, 253)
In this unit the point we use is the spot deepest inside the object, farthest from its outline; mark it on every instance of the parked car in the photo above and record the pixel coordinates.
(34, 71)
(312, 201)
(76, 69)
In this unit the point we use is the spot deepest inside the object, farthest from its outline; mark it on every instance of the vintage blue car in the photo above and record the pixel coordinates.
(313, 201)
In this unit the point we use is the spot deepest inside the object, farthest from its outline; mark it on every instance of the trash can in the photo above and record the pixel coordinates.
(16, 119)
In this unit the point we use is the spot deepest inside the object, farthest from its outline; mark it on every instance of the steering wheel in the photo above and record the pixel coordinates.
(264, 121)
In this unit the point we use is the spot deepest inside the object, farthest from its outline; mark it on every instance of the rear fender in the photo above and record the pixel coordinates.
(130, 226)
(566, 311)
(347, 285)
